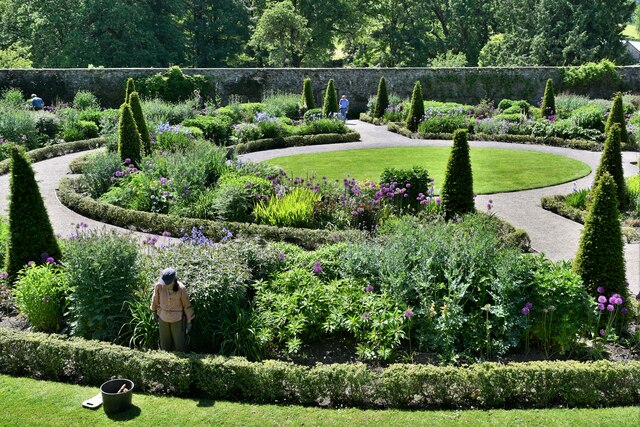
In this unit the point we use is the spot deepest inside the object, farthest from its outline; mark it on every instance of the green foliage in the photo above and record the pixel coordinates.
(514, 106)
(330, 100)
(176, 138)
(47, 124)
(382, 99)
(98, 171)
(129, 142)
(415, 180)
(103, 275)
(449, 59)
(307, 101)
(4, 239)
(85, 100)
(217, 129)
(322, 126)
(13, 97)
(79, 130)
(15, 55)
(600, 257)
(611, 163)
(141, 123)
(19, 126)
(157, 111)
(30, 232)
(130, 88)
(446, 123)
(588, 117)
(416, 110)
(578, 199)
(294, 209)
(616, 115)
(40, 296)
(281, 105)
(173, 85)
(602, 74)
(548, 107)
(457, 190)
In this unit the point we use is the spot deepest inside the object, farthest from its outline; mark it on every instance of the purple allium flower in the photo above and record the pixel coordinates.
(438, 200)
(281, 256)
(601, 307)
(601, 332)
(600, 290)
(163, 180)
(602, 299)
(529, 305)
(408, 314)
(408, 186)
(4, 275)
(624, 310)
(50, 260)
(610, 307)
(31, 263)
(317, 267)
(127, 161)
(526, 310)
(166, 234)
(369, 288)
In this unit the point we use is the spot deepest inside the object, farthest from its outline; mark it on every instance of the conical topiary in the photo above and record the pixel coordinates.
(416, 110)
(611, 163)
(141, 123)
(457, 189)
(307, 102)
(31, 236)
(129, 143)
(131, 87)
(616, 115)
(600, 258)
(330, 102)
(382, 99)
(548, 106)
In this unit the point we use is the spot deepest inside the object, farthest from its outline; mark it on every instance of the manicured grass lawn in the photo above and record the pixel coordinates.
(27, 402)
(494, 170)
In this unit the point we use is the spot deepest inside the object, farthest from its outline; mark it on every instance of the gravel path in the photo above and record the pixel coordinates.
(550, 234)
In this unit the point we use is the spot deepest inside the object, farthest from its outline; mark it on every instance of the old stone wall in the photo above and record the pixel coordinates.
(467, 85)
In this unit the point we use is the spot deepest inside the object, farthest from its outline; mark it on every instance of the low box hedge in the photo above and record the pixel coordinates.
(483, 385)
(158, 223)
(57, 150)
(295, 141)
(364, 117)
(557, 205)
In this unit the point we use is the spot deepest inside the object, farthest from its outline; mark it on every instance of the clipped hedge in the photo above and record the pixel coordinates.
(557, 205)
(295, 141)
(148, 222)
(56, 150)
(364, 117)
(483, 385)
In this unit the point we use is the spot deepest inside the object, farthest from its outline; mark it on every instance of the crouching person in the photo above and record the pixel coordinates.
(171, 309)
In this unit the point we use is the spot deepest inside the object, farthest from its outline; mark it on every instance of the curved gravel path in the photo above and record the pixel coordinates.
(550, 234)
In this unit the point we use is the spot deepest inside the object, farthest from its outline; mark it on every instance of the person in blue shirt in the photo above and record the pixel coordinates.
(36, 102)
(344, 107)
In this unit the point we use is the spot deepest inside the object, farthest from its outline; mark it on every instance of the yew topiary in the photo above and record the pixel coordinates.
(611, 163)
(131, 87)
(600, 258)
(141, 123)
(416, 110)
(330, 103)
(31, 236)
(548, 106)
(308, 101)
(457, 190)
(616, 115)
(382, 99)
(129, 143)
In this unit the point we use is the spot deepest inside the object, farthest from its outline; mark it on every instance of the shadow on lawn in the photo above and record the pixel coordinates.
(127, 415)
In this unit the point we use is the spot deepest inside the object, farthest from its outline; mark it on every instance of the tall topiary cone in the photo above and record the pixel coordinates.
(131, 87)
(416, 111)
(548, 106)
(616, 115)
(129, 143)
(330, 102)
(611, 163)
(308, 101)
(141, 123)
(600, 258)
(382, 99)
(30, 232)
(457, 190)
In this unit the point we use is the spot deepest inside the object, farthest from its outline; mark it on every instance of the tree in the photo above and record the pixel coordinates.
(141, 123)
(129, 142)
(416, 110)
(548, 106)
(382, 99)
(15, 56)
(283, 34)
(616, 115)
(307, 100)
(31, 236)
(611, 163)
(600, 258)
(457, 189)
(330, 102)
(131, 87)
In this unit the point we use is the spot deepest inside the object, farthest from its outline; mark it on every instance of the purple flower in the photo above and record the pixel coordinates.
(369, 288)
(166, 234)
(610, 307)
(601, 307)
(602, 299)
(624, 310)
(529, 305)
(4, 275)
(281, 256)
(31, 263)
(317, 267)
(600, 290)
(50, 260)
(526, 310)
(602, 332)
(408, 186)
(163, 180)
(127, 160)
(408, 314)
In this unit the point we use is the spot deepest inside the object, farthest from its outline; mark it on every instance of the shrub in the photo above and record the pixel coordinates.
(600, 257)
(281, 105)
(18, 126)
(313, 113)
(330, 101)
(521, 106)
(217, 129)
(457, 189)
(141, 123)
(85, 100)
(322, 126)
(129, 143)
(269, 126)
(548, 107)
(47, 124)
(416, 110)
(445, 123)
(245, 132)
(79, 130)
(601, 74)
(30, 232)
(578, 199)
(174, 138)
(157, 111)
(382, 99)
(307, 101)
(13, 97)
(40, 296)
(103, 275)
(98, 171)
(415, 181)
(611, 163)
(130, 88)
(173, 85)
(294, 209)
(616, 115)
(4, 238)
(588, 117)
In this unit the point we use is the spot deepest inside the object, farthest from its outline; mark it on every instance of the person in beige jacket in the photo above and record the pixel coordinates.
(171, 309)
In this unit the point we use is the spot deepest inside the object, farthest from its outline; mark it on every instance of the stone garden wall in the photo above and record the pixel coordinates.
(468, 85)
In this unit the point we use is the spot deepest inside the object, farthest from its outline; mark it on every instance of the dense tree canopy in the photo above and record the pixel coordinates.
(220, 33)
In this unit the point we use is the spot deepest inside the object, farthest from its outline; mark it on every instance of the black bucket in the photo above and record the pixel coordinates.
(113, 401)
